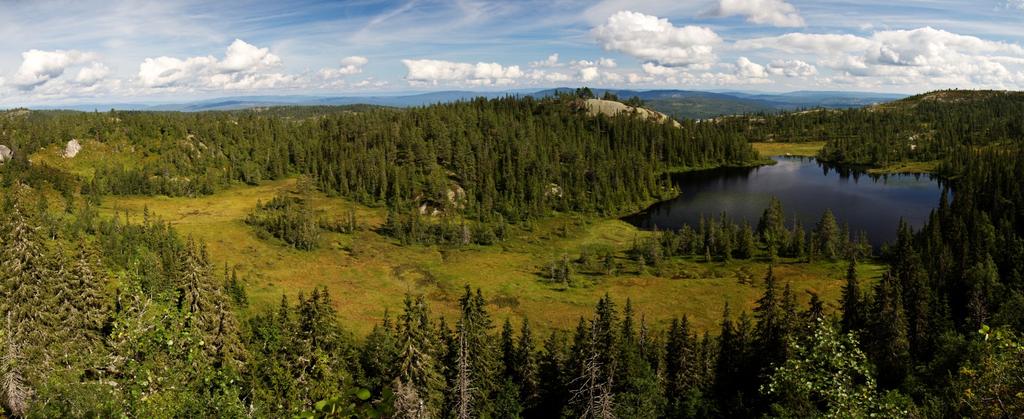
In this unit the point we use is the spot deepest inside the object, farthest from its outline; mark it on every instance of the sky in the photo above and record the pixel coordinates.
(134, 51)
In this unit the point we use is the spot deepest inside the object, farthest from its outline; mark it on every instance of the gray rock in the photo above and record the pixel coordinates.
(5, 153)
(71, 150)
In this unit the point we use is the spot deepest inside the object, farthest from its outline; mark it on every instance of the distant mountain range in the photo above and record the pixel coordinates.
(677, 103)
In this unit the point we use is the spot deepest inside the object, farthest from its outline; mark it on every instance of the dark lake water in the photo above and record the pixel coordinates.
(873, 204)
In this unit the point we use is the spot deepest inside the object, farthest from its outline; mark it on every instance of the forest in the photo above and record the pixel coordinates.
(108, 315)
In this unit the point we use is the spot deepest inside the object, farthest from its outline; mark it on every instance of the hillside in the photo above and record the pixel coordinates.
(612, 108)
(953, 97)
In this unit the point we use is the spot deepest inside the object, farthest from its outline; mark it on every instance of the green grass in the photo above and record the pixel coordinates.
(367, 272)
(94, 154)
(908, 167)
(806, 149)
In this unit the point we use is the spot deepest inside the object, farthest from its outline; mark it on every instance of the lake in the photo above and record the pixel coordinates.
(806, 187)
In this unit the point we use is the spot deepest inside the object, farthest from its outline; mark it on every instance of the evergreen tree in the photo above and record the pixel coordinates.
(852, 300)
(827, 237)
(771, 227)
(890, 349)
(419, 381)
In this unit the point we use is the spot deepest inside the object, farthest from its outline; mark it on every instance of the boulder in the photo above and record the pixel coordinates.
(71, 150)
(5, 153)
(553, 190)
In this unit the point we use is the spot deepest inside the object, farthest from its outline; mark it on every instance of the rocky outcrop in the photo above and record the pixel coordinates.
(612, 108)
(71, 149)
(5, 154)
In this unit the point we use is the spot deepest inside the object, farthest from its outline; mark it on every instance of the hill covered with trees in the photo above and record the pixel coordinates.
(106, 315)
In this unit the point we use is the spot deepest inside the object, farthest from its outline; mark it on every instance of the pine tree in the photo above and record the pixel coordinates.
(770, 332)
(853, 310)
(481, 354)
(827, 236)
(747, 245)
(681, 371)
(552, 372)
(14, 390)
(890, 349)
(729, 366)
(636, 389)
(417, 370)
(523, 365)
(771, 227)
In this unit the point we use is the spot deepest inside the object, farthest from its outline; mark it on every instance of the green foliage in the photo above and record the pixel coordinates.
(828, 377)
(288, 218)
(356, 403)
(991, 385)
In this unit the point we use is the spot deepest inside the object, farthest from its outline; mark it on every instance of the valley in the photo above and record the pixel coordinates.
(368, 272)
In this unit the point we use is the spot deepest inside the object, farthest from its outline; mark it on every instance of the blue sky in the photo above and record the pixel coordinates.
(55, 52)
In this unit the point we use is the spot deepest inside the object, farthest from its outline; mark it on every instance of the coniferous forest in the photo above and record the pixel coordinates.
(106, 315)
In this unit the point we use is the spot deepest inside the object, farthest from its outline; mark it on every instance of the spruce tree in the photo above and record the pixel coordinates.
(890, 349)
(852, 301)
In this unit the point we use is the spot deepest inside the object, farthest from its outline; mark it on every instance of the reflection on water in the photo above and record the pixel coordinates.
(869, 203)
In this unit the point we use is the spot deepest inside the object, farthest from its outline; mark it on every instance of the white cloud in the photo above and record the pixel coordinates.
(602, 62)
(435, 71)
(762, 12)
(551, 61)
(92, 74)
(589, 74)
(349, 66)
(245, 57)
(791, 68)
(656, 40)
(244, 67)
(749, 69)
(744, 72)
(170, 71)
(805, 42)
(916, 57)
(541, 76)
(354, 61)
(1013, 4)
(38, 67)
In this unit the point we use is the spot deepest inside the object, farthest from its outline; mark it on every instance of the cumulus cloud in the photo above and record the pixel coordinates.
(791, 68)
(92, 74)
(170, 71)
(349, 66)
(762, 12)
(38, 67)
(541, 76)
(589, 74)
(245, 57)
(244, 66)
(436, 71)
(656, 40)
(551, 61)
(749, 69)
(902, 57)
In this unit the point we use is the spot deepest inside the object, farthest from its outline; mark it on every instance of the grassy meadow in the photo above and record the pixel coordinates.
(806, 149)
(367, 273)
